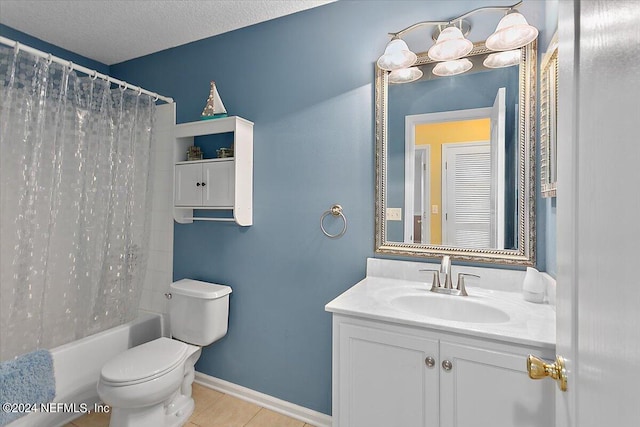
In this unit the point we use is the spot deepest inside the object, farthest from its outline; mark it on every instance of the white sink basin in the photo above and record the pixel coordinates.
(446, 307)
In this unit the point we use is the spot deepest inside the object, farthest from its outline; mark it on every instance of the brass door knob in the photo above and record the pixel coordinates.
(538, 369)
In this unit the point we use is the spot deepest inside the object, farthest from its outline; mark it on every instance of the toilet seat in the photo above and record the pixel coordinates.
(144, 363)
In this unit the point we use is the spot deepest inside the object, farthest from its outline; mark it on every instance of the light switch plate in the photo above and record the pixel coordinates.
(394, 214)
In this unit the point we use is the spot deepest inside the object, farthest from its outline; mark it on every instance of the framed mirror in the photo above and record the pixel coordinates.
(455, 162)
(548, 118)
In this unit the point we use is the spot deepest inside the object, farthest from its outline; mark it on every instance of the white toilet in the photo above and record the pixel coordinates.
(150, 385)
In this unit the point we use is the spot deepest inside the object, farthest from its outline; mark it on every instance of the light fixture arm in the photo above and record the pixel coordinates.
(452, 21)
(507, 8)
(417, 25)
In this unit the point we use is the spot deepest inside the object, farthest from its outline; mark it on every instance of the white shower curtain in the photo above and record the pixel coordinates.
(75, 197)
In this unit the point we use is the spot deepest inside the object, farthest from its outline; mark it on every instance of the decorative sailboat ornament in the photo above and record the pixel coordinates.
(214, 108)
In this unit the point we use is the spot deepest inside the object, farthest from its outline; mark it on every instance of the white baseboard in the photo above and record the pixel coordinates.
(317, 419)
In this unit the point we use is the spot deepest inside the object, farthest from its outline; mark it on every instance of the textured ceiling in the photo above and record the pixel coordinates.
(112, 31)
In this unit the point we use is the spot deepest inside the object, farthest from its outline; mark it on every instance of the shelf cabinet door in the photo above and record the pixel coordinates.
(187, 190)
(384, 381)
(219, 179)
(492, 388)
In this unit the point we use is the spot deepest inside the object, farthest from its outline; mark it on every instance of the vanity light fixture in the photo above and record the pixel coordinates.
(512, 32)
(452, 68)
(405, 75)
(503, 59)
(450, 45)
(396, 56)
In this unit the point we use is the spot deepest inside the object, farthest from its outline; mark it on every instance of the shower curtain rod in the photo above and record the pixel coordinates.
(92, 73)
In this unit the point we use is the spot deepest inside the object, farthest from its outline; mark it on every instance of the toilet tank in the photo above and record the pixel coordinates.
(198, 311)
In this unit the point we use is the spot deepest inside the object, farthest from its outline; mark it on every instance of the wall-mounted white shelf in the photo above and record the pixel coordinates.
(214, 184)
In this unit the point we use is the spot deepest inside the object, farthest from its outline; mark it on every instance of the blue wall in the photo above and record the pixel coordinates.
(313, 146)
(306, 80)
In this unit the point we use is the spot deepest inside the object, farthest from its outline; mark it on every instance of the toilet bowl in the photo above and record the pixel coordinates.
(150, 385)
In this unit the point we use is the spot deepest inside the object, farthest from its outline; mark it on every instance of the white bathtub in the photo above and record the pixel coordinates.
(77, 367)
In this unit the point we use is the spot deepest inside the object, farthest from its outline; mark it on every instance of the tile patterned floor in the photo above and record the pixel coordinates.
(213, 409)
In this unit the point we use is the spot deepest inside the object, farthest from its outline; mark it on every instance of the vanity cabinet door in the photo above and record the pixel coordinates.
(384, 380)
(492, 388)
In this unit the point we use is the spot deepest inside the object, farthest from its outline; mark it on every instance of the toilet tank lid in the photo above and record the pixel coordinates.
(198, 289)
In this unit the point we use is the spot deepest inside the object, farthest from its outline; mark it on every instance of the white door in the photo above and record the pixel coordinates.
(218, 184)
(466, 195)
(410, 148)
(384, 381)
(188, 185)
(513, 399)
(598, 305)
(422, 196)
(498, 112)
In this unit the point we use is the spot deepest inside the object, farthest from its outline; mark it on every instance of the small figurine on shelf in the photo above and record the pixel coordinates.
(194, 153)
(225, 152)
(214, 108)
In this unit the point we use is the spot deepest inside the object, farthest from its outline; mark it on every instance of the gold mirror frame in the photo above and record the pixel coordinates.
(548, 118)
(524, 254)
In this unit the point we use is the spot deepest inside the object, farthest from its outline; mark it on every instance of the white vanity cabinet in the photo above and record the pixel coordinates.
(214, 184)
(388, 375)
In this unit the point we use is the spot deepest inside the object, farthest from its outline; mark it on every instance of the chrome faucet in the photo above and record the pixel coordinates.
(447, 287)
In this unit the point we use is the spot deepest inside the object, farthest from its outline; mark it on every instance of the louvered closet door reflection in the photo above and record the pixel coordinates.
(466, 195)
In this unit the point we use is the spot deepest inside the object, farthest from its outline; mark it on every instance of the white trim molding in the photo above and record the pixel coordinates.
(289, 409)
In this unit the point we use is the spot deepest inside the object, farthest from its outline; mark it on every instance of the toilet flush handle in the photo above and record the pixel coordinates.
(168, 295)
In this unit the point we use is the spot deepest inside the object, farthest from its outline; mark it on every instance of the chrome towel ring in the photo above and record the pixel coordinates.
(335, 210)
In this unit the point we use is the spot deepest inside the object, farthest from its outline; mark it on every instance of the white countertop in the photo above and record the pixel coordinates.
(528, 324)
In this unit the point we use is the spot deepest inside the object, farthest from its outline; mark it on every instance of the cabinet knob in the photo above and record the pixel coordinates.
(204, 183)
(430, 362)
(447, 365)
(197, 184)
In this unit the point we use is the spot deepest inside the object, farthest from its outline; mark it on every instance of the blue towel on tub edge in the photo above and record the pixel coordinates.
(26, 379)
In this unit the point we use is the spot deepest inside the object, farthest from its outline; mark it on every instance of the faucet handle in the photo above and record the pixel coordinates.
(460, 286)
(435, 283)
